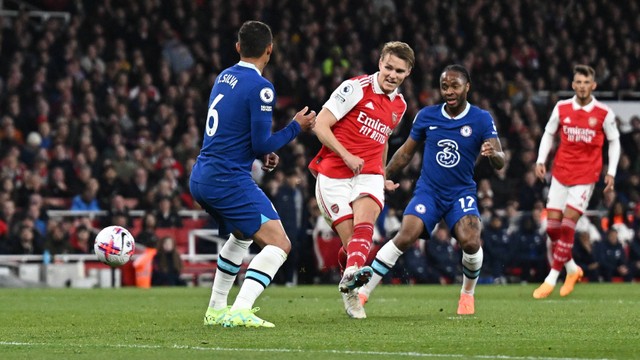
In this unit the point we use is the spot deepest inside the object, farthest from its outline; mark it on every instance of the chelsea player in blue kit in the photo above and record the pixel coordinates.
(238, 130)
(454, 134)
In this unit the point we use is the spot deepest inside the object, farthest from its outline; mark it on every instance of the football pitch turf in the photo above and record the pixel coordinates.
(597, 321)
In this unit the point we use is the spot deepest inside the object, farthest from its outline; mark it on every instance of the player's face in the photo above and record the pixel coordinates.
(393, 71)
(453, 89)
(583, 86)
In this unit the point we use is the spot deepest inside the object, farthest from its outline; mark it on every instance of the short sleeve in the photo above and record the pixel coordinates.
(490, 130)
(344, 98)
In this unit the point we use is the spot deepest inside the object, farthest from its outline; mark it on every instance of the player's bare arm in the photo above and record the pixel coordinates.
(492, 149)
(608, 182)
(306, 118)
(399, 160)
(324, 122)
(389, 185)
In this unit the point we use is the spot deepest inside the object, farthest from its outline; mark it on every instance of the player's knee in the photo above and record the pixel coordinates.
(403, 240)
(471, 247)
(284, 244)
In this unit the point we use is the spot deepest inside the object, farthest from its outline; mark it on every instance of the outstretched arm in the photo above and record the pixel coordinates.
(263, 142)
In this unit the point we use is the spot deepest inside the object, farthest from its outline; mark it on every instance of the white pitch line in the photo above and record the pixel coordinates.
(340, 352)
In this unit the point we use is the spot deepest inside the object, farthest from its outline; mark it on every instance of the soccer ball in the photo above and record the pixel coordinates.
(114, 245)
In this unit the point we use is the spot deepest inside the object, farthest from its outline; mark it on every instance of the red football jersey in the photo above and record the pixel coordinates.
(366, 117)
(582, 133)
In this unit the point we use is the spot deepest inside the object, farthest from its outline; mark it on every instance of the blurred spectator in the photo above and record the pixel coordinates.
(585, 257)
(8, 215)
(118, 212)
(497, 248)
(442, 257)
(167, 265)
(60, 158)
(87, 200)
(110, 185)
(336, 63)
(33, 185)
(530, 192)
(82, 240)
(25, 241)
(530, 250)
(166, 214)
(57, 185)
(139, 188)
(123, 165)
(619, 218)
(289, 202)
(31, 149)
(147, 236)
(57, 240)
(611, 256)
(326, 244)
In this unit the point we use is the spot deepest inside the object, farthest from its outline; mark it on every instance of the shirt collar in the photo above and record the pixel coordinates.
(587, 108)
(378, 90)
(249, 65)
(461, 115)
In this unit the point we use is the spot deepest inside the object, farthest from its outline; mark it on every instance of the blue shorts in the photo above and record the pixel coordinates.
(430, 208)
(236, 205)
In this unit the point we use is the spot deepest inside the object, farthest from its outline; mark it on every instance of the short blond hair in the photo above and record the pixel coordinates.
(399, 49)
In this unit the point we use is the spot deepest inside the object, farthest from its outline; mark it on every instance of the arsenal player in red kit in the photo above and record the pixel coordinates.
(583, 124)
(354, 126)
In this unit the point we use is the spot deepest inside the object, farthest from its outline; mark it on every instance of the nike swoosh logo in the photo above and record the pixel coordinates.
(468, 209)
(432, 127)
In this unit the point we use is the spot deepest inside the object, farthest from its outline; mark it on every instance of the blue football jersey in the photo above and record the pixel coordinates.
(451, 148)
(239, 98)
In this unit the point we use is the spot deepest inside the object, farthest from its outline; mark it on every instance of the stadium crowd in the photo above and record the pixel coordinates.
(106, 112)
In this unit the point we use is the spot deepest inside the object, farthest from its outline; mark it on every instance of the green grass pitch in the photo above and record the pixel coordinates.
(597, 321)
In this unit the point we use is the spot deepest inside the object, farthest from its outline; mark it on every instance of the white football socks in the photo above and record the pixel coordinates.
(552, 278)
(259, 275)
(571, 266)
(228, 265)
(385, 259)
(471, 265)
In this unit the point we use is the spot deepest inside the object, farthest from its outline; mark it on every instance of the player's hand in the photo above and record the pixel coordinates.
(608, 181)
(541, 171)
(270, 162)
(487, 149)
(354, 163)
(307, 120)
(390, 186)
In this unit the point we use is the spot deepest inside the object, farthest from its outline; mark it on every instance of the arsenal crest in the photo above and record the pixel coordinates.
(335, 208)
(593, 122)
(394, 118)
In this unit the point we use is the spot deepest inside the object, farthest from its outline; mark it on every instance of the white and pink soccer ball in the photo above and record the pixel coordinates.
(114, 246)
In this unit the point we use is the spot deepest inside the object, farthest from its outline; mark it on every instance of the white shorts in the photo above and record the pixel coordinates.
(575, 196)
(335, 196)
